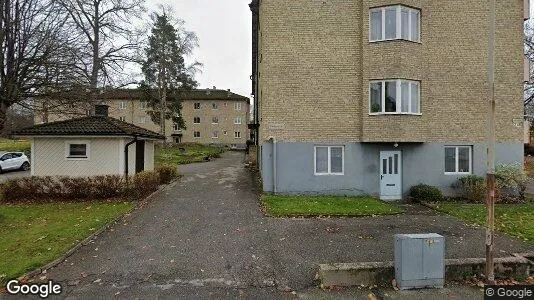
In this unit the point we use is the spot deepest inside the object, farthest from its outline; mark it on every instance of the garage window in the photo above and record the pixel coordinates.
(77, 150)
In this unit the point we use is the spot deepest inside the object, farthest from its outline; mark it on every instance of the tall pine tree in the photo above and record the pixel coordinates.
(165, 71)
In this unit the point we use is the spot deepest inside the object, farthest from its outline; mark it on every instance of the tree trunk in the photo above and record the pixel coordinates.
(163, 105)
(96, 59)
(3, 117)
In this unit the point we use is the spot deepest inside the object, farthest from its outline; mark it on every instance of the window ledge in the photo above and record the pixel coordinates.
(329, 174)
(395, 114)
(77, 158)
(395, 40)
(458, 173)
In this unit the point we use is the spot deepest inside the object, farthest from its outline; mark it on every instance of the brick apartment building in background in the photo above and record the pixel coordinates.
(376, 96)
(212, 116)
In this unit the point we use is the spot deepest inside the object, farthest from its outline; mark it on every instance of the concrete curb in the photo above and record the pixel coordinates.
(380, 273)
(91, 237)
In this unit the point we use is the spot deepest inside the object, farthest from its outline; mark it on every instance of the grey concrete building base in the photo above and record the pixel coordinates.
(288, 168)
(377, 273)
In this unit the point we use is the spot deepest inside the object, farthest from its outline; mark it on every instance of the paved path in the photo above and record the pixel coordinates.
(205, 237)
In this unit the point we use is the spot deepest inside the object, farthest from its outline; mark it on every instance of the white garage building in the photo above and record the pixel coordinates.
(90, 146)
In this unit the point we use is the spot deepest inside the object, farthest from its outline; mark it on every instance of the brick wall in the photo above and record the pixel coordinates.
(316, 62)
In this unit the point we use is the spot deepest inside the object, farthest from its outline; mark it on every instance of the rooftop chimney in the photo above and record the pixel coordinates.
(101, 110)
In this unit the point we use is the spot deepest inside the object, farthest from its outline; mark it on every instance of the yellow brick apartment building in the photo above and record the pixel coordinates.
(212, 116)
(376, 96)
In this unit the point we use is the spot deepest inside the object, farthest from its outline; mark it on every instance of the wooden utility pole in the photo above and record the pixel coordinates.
(490, 229)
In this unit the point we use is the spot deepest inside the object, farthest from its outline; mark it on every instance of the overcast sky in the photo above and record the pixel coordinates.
(224, 29)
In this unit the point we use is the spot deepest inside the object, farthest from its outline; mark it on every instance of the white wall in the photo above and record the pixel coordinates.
(49, 157)
(149, 155)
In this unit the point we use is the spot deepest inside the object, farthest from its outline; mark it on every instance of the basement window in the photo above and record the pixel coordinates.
(329, 160)
(458, 160)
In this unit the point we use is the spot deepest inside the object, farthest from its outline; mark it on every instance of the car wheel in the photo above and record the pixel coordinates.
(25, 166)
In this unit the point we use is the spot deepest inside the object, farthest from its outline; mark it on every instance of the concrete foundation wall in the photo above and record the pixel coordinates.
(421, 163)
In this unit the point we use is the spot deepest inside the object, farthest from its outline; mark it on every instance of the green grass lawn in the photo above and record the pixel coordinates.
(306, 206)
(513, 219)
(193, 153)
(33, 235)
(15, 145)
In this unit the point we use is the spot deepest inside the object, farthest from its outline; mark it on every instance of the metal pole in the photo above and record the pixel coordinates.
(490, 229)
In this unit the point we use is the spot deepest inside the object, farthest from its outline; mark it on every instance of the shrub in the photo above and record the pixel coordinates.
(529, 150)
(511, 181)
(107, 186)
(46, 189)
(74, 188)
(167, 173)
(142, 184)
(473, 188)
(423, 192)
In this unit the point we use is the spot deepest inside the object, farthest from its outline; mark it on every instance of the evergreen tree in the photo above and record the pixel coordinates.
(165, 71)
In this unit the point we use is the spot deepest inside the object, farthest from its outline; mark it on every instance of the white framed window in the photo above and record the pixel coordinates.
(215, 135)
(238, 120)
(395, 22)
(196, 120)
(196, 134)
(237, 134)
(237, 106)
(142, 120)
(175, 127)
(122, 105)
(215, 106)
(196, 105)
(394, 96)
(215, 120)
(77, 150)
(143, 105)
(122, 119)
(329, 160)
(458, 160)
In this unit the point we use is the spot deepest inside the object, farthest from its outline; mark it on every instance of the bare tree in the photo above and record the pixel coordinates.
(31, 42)
(109, 31)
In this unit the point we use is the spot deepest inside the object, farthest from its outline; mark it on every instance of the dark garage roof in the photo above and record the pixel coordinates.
(89, 126)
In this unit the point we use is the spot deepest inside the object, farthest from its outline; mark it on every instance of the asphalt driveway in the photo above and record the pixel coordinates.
(205, 237)
(7, 175)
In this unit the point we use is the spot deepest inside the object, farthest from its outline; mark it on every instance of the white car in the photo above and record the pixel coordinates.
(13, 161)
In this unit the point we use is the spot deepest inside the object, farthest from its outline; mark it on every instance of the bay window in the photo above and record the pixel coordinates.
(394, 97)
(395, 22)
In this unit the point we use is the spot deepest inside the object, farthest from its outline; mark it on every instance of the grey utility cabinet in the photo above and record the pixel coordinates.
(419, 260)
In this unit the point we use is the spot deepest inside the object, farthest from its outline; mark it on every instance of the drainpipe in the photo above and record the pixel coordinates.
(273, 140)
(126, 156)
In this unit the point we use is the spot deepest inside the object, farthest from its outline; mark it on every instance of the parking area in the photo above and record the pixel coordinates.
(4, 176)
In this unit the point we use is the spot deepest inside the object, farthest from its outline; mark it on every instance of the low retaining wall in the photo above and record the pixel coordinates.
(377, 273)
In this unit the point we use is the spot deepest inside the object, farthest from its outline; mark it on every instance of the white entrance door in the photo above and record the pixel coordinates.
(390, 175)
